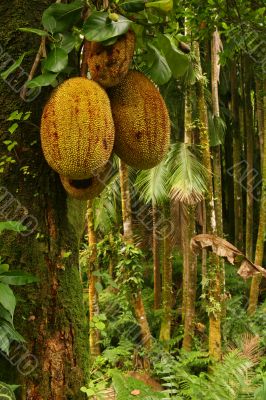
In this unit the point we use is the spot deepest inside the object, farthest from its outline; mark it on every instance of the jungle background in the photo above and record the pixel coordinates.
(156, 288)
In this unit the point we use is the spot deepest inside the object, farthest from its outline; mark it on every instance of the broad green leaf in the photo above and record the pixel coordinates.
(99, 27)
(177, 61)
(159, 70)
(17, 278)
(67, 41)
(56, 60)
(133, 5)
(12, 226)
(46, 79)
(4, 268)
(7, 298)
(38, 32)
(13, 67)
(61, 17)
(5, 315)
(100, 325)
(162, 5)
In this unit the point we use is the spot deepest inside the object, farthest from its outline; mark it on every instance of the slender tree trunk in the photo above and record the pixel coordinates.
(95, 349)
(255, 285)
(156, 259)
(249, 135)
(167, 293)
(51, 364)
(137, 300)
(214, 266)
(237, 170)
(190, 264)
(189, 258)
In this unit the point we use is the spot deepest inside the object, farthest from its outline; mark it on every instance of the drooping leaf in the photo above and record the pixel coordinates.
(14, 226)
(177, 61)
(153, 183)
(158, 69)
(14, 66)
(225, 249)
(216, 129)
(60, 17)
(99, 27)
(38, 32)
(56, 60)
(45, 79)
(17, 278)
(7, 298)
(188, 180)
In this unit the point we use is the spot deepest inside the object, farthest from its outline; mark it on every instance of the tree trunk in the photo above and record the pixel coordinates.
(214, 266)
(50, 314)
(249, 135)
(255, 285)
(137, 301)
(156, 260)
(95, 349)
(167, 293)
(237, 170)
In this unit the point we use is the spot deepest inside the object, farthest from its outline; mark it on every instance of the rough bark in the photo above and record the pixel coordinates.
(156, 260)
(238, 198)
(92, 279)
(137, 301)
(214, 266)
(50, 314)
(256, 280)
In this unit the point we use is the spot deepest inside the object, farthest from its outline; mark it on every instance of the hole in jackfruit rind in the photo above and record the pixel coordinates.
(88, 189)
(81, 183)
(109, 64)
(142, 123)
(77, 129)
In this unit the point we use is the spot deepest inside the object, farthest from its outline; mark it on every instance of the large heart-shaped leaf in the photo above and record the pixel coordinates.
(99, 27)
(56, 60)
(177, 61)
(61, 17)
(45, 79)
(158, 69)
(7, 298)
(17, 278)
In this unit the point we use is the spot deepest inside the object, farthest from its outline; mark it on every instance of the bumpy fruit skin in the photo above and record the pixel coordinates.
(77, 129)
(142, 122)
(89, 188)
(109, 64)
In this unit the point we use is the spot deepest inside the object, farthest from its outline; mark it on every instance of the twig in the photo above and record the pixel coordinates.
(41, 52)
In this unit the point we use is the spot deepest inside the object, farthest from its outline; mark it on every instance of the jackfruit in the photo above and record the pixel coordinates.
(77, 129)
(87, 189)
(109, 64)
(142, 123)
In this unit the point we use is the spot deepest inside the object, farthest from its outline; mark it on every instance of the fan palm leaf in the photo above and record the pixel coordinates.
(189, 177)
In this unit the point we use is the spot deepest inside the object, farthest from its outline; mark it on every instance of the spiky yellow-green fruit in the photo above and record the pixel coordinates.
(142, 123)
(77, 129)
(89, 188)
(109, 64)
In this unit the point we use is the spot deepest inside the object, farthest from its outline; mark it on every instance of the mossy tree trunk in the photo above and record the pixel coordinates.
(156, 258)
(95, 349)
(50, 314)
(214, 292)
(256, 280)
(136, 298)
(167, 290)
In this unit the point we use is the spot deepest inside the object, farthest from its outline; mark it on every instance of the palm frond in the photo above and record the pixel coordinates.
(189, 178)
(153, 183)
